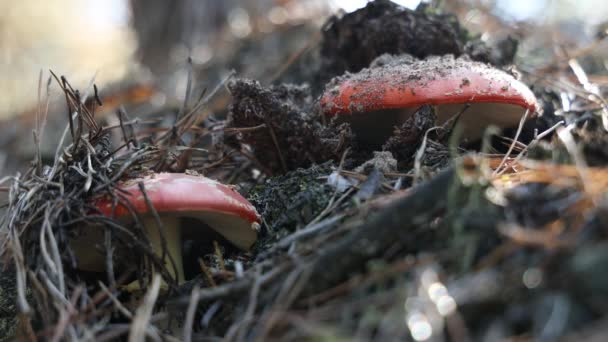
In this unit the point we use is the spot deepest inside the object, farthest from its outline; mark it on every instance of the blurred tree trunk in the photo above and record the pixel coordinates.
(163, 26)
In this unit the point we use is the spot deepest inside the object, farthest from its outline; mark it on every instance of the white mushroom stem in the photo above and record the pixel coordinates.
(94, 260)
(172, 233)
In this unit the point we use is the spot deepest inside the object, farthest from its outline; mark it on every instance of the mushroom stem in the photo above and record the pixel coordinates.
(93, 260)
(172, 232)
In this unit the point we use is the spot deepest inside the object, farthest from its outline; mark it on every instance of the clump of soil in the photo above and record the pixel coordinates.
(281, 126)
(502, 53)
(589, 135)
(382, 161)
(352, 42)
(407, 138)
(594, 141)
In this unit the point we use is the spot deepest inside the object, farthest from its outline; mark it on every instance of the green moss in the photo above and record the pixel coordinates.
(291, 201)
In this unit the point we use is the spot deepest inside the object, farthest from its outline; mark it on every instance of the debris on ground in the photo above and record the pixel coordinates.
(382, 161)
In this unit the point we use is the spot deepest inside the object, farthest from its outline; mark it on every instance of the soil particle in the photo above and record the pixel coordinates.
(382, 161)
(428, 69)
(293, 135)
(388, 60)
(352, 42)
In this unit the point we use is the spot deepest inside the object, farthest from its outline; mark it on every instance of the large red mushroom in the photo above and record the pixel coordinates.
(377, 99)
(175, 196)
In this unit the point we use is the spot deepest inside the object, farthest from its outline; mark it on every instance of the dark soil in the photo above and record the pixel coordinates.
(288, 133)
(406, 139)
(352, 42)
(588, 133)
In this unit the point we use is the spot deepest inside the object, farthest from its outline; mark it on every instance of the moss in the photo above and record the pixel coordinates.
(8, 307)
(291, 201)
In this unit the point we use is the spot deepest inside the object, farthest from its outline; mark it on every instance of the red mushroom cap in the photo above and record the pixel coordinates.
(191, 196)
(432, 81)
(444, 81)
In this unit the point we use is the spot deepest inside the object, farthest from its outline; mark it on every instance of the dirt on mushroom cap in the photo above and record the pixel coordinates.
(400, 82)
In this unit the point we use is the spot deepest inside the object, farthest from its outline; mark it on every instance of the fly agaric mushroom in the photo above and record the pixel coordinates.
(394, 91)
(175, 196)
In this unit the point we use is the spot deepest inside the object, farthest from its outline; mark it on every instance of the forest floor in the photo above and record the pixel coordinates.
(426, 235)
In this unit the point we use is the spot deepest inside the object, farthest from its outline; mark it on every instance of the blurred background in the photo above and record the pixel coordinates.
(121, 43)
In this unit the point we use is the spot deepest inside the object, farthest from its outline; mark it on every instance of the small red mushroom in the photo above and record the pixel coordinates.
(397, 90)
(175, 196)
